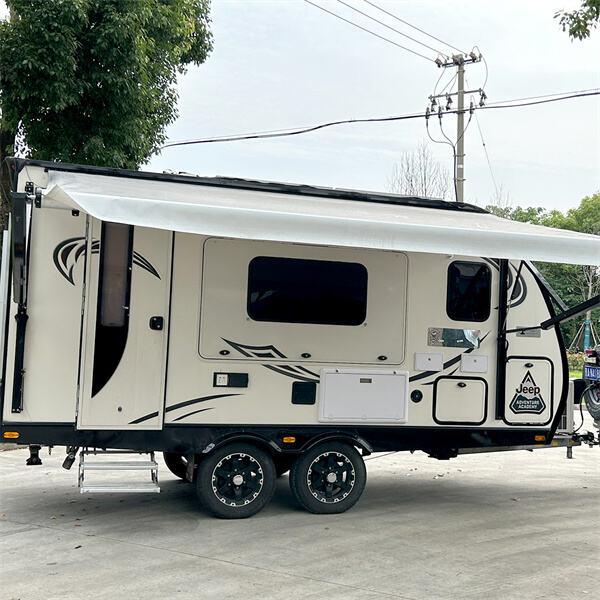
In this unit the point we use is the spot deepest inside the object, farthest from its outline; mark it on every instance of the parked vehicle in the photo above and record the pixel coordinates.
(246, 328)
(591, 377)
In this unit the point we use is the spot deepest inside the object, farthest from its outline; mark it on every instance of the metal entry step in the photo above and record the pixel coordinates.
(127, 464)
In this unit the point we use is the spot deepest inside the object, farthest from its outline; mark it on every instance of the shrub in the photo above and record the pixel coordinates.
(575, 361)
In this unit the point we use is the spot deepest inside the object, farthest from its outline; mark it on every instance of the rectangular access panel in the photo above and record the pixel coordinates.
(529, 390)
(359, 396)
(460, 401)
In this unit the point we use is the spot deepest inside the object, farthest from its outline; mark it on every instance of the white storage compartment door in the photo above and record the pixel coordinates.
(529, 390)
(460, 401)
(359, 396)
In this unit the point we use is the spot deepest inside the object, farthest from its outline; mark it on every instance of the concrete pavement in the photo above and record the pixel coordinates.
(494, 526)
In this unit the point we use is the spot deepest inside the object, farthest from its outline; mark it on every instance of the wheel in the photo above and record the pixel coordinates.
(283, 464)
(236, 481)
(592, 402)
(328, 478)
(176, 463)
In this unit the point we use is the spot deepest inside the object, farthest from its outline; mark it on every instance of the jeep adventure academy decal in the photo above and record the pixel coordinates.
(528, 398)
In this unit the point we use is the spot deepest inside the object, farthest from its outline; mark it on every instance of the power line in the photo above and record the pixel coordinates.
(485, 65)
(448, 143)
(381, 37)
(502, 103)
(364, 14)
(487, 157)
(485, 150)
(413, 26)
(577, 92)
(285, 133)
(291, 132)
(449, 84)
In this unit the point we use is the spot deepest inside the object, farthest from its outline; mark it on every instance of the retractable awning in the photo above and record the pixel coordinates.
(305, 215)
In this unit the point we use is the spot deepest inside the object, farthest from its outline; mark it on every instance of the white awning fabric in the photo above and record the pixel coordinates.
(287, 217)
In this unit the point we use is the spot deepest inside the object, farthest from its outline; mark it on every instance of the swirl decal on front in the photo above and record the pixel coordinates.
(294, 371)
(69, 251)
(518, 291)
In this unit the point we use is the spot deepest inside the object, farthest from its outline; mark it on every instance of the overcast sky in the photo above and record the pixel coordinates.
(283, 63)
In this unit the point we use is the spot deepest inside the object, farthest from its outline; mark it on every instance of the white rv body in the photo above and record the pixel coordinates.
(194, 367)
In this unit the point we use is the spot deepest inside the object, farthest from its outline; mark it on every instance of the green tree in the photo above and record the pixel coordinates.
(573, 283)
(93, 81)
(579, 23)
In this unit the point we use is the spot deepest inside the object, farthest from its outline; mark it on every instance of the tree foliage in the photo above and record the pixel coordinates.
(579, 23)
(573, 283)
(93, 81)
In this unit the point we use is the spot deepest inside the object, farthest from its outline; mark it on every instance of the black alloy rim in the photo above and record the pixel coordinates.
(331, 477)
(237, 479)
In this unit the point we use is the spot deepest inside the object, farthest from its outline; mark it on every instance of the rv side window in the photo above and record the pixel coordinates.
(293, 290)
(114, 274)
(469, 291)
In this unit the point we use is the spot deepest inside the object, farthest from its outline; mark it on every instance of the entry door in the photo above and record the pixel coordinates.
(125, 326)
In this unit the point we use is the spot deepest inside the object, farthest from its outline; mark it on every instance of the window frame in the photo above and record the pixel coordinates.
(489, 295)
(252, 315)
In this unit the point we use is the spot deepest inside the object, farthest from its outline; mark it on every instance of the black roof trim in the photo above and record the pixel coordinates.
(17, 164)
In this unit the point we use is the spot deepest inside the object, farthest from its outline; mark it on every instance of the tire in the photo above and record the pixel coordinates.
(592, 402)
(176, 463)
(236, 481)
(328, 478)
(283, 464)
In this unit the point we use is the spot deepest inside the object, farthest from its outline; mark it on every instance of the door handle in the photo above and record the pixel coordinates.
(157, 323)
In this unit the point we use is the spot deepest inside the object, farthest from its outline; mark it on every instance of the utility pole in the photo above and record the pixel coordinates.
(460, 131)
(459, 61)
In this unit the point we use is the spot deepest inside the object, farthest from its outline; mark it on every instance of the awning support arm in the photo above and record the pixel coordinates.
(564, 316)
(567, 315)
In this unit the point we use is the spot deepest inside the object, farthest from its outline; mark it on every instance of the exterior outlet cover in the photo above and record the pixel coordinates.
(474, 363)
(429, 361)
(221, 379)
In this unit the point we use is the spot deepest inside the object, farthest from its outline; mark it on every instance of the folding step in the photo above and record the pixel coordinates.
(126, 464)
(94, 488)
(130, 465)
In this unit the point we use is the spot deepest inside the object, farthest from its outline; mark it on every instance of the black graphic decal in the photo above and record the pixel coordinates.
(68, 252)
(527, 398)
(194, 412)
(520, 290)
(181, 405)
(294, 371)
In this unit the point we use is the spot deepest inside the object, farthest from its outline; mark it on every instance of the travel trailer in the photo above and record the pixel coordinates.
(247, 328)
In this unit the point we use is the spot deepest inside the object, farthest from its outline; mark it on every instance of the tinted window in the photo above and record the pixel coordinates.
(112, 321)
(469, 291)
(293, 290)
